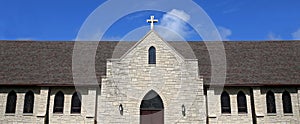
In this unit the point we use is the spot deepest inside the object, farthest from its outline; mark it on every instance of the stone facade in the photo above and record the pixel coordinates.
(260, 111)
(87, 114)
(130, 77)
(39, 107)
(214, 106)
(278, 117)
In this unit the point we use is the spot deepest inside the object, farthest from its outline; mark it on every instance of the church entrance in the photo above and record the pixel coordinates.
(152, 109)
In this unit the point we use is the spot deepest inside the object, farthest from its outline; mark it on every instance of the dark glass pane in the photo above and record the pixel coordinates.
(287, 103)
(11, 102)
(59, 103)
(152, 55)
(152, 101)
(28, 102)
(242, 102)
(225, 103)
(76, 103)
(271, 106)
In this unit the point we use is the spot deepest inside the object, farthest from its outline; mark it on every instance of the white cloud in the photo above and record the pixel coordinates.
(296, 35)
(225, 33)
(175, 21)
(272, 36)
(180, 14)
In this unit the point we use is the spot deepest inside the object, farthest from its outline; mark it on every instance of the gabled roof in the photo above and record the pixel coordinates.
(151, 35)
(248, 63)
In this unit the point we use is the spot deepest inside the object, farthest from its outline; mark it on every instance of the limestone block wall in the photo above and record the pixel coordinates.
(279, 116)
(39, 107)
(298, 96)
(215, 116)
(88, 106)
(130, 78)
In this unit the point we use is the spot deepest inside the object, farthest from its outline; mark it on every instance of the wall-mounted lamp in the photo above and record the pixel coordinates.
(121, 109)
(183, 109)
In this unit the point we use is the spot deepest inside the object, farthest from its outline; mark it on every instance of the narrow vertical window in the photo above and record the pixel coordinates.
(271, 106)
(76, 103)
(242, 102)
(287, 102)
(225, 103)
(58, 102)
(152, 55)
(11, 102)
(28, 102)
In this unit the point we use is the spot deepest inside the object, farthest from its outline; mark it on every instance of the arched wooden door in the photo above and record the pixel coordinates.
(152, 109)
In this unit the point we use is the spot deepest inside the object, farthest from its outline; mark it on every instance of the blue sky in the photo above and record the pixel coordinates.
(235, 19)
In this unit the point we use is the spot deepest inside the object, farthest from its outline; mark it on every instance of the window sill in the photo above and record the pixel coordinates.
(75, 114)
(288, 114)
(226, 114)
(243, 113)
(9, 114)
(58, 114)
(271, 114)
(27, 114)
(152, 65)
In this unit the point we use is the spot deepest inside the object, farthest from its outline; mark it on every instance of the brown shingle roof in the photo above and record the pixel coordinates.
(248, 63)
(255, 63)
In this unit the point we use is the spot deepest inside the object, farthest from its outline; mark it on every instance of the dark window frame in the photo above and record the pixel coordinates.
(271, 102)
(11, 102)
(28, 102)
(287, 102)
(225, 103)
(152, 55)
(59, 102)
(242, 102)
(76, 103)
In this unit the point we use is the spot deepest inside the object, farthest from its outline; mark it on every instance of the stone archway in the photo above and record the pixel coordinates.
(152, 109)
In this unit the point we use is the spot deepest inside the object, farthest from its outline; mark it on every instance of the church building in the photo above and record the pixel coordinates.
(151, 81)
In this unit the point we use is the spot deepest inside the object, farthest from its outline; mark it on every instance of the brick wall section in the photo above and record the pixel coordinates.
(131, 78)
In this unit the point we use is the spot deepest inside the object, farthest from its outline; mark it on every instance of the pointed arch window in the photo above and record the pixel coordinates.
(28, 102)
(76, 103)
(152, 55)
(152, 101)
(58, 102)
(225, 103)
(286, 102)
(11, 102)
(271, 106)
(242, 102)
(152, 109)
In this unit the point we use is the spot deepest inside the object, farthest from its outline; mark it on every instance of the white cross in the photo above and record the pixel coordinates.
(152, 21)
